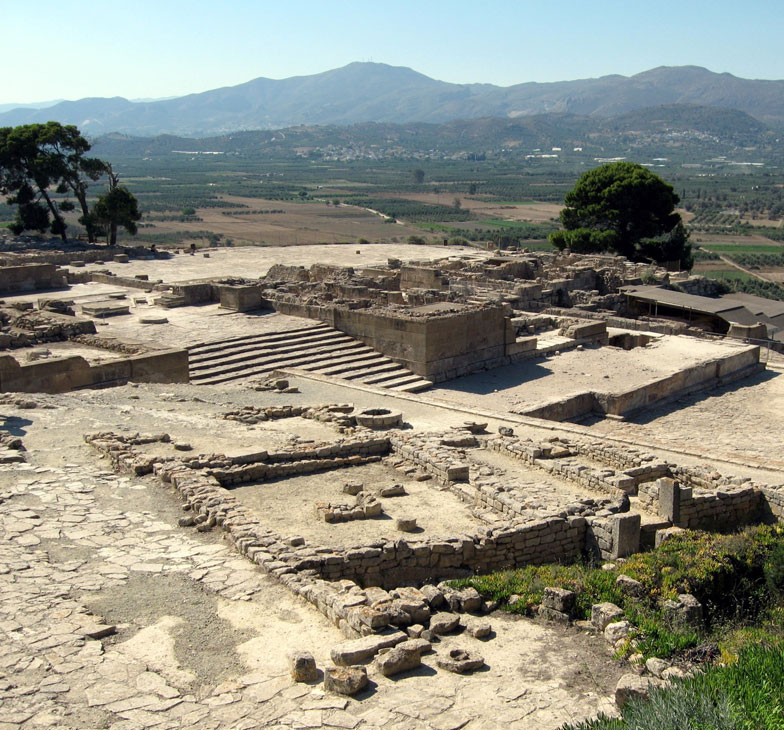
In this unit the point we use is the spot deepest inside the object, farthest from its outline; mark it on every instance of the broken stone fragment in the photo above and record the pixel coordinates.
(345, 680)
(443, 623)
(632, 685)
(460, 661)
(433, 595)
(401, 658)
(406, 524)
(605, 613)
(361, 650)
(302, 666)
(686, 611)
(396, 490)
(559, 599)
(550, 614)
(630, 587)
(477, 628)
(617, 630)
(656, 666)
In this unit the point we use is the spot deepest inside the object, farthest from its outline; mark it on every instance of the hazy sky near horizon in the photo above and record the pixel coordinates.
(152, 49)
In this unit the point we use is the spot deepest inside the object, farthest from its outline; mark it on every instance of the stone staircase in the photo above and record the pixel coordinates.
(315, 348)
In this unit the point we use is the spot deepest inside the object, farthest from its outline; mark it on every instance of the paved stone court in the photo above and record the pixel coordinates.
(114, 617)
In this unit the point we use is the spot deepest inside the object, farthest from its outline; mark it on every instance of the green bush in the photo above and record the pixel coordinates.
(727, 573)
(745, 695)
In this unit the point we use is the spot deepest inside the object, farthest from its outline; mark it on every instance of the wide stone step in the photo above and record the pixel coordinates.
(261, 338)
(392, 371)
(359, 366)
(416, 386)
(270, 361)
(338, 363)
(319, 348)
(282, 347)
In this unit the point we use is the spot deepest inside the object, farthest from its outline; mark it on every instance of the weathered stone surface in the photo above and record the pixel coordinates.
(302, 667)
(432, 595)
(345, 680)
(616, 631)
(630, 587)
(477, 628)
(634, 686)
(361, 650)
(605, 613)
(550, 614)
(686, 611)
(656, 666)
(460, 661)
(443, 623)
(406, 524)
(401, 658)
(558, 599)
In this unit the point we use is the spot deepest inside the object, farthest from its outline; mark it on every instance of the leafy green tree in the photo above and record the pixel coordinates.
(623, 207)
(39, 159)
(117, 207)
(419, 175)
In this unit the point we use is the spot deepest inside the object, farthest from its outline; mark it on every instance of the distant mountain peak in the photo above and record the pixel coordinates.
(367, 91)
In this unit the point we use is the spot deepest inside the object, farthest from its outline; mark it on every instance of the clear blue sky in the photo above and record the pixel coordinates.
(77, 48)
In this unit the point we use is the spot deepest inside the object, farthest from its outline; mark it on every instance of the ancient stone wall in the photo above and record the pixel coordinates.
(60, 375)
(30, 277)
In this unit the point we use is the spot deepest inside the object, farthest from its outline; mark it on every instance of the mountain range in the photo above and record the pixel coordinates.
(375, 92)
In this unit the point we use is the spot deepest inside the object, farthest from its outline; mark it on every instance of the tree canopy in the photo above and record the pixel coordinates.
(39, 165)
(625, 208)
(117, 207)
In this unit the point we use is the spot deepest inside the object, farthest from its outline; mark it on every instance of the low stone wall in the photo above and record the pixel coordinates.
(724, 509)
(442, 462)
(613, 537)
(696, 377)
(30, 277)
(276, 465)
(130, 282)
(553, 459)
(62, 374)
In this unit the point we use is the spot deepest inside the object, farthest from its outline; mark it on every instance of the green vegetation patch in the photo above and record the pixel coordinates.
(735, 577)
(745, 695)
(740, 281)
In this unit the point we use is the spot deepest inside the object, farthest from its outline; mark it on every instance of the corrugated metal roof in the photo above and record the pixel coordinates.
(658, 294)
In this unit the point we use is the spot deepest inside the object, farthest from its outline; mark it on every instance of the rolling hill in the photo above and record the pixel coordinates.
(374, 92)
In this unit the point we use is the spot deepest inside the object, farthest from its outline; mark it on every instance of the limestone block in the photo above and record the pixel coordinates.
(559, 599)
(460, 661)
(656, 666)
(625, 535)
(478, 629)
(345, 680)
(550, 614)
(686, 611)
(302, 667)
(432, 595)
(634, 686)
(616, 631)
(406, 524)
(605, 613)
(360, 650)
(443, 623)
(630, 587)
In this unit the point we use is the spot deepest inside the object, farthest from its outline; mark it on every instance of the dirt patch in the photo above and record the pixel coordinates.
(203, 643)
(290, 506)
